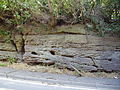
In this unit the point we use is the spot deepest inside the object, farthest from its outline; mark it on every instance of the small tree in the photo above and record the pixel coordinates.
(15, 14)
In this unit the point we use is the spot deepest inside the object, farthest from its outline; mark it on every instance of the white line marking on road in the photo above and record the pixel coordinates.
(5, 89)
(44, 84)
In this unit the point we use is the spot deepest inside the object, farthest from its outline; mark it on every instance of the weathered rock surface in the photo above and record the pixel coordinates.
(65, 50)
(81, 61)
(109, 61)
(6, 47)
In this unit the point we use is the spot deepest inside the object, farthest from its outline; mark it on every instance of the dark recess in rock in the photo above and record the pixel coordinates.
(34, 53)
(52, 52)
(71, 56)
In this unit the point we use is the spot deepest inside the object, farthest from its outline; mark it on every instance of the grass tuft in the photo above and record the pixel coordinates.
(3, 64)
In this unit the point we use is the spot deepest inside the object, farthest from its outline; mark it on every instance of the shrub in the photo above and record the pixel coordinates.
(11, 60)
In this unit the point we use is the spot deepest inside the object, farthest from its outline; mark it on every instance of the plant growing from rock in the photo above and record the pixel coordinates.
(11, 60)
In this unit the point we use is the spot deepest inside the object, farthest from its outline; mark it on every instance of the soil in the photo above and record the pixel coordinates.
(53, 69)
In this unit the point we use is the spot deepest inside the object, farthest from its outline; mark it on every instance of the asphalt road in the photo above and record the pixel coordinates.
(10, 84)
(11, 79)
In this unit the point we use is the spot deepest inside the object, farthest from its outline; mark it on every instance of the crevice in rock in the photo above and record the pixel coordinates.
(94, 64)
(52, 52)
(34, 53)
(71, 56)
(14, 44)
(103, 70)
(23, 45)
(8, 50)
(110, 59)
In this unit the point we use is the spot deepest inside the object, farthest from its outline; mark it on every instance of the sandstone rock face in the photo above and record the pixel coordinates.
(109, 61)
(64, 50)
(69, 49)
(78, 60)
(74, 29)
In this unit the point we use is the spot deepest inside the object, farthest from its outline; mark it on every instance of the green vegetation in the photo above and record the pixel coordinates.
(11, 60)
(5, 34)
(3, 64)
(103, 15)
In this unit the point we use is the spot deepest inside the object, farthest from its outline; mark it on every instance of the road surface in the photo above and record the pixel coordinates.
(11, 79)
(11, 84)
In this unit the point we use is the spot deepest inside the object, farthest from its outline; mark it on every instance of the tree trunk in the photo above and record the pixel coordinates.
(18, 41)
(52, 21)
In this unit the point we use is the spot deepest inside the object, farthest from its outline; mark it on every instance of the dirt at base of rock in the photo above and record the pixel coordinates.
(53, 69)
